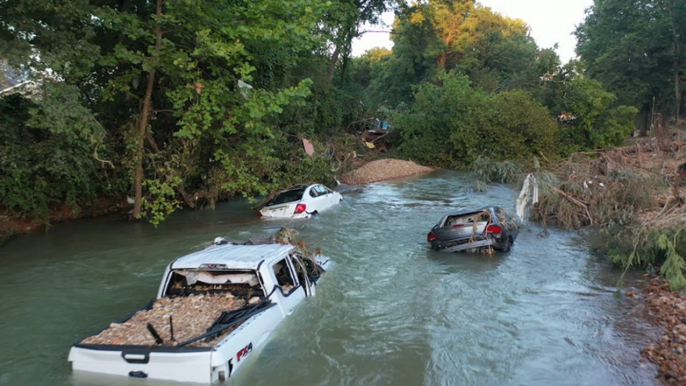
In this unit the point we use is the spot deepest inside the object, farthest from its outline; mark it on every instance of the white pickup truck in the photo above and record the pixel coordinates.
(213, 309)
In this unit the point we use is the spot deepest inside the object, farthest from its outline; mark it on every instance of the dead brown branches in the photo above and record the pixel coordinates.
(638, 183)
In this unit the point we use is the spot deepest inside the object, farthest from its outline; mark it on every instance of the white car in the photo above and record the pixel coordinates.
(300, 201)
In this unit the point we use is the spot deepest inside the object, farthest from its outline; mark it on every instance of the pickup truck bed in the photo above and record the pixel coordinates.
(180, 318)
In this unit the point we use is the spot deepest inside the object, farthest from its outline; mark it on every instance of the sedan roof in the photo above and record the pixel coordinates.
(462, 212)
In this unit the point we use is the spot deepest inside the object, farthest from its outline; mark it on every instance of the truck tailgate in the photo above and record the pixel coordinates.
(189, 365)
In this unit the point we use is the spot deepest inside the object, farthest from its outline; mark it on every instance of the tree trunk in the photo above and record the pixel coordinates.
(677, 97)
(642, 121)
(346, 55)
(678, 49)
(144, 120)
(443, 60)
(332, 63)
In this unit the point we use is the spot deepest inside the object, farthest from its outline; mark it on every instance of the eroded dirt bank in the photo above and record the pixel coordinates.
(384, 169)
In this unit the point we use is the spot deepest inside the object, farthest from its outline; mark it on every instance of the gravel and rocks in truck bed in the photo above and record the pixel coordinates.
(668, 309)
(191, 317)
(384, 169)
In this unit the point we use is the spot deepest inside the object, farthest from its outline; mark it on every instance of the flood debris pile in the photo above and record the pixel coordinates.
(633, 197)
(668, 309)
(174, 320)
(606, 188)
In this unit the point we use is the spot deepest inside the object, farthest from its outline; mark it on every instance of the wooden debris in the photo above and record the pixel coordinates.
(192, 316)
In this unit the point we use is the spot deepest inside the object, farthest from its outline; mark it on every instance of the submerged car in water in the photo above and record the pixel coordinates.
(489, 227)
(300, 201)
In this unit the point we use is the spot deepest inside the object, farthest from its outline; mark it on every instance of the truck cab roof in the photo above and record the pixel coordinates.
(232, 256)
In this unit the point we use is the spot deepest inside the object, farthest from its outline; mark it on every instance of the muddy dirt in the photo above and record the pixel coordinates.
(384, 169)
(668, 310)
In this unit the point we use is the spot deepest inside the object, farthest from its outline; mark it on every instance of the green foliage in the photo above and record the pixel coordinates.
(508, 126)
(674, 266)
(487, 171)
(438, 112)
(217, 138)
(452, 124)
(161, 200)
(641, 248)
(596, 122)
(638, 56)
(234, 88)
(47, 152)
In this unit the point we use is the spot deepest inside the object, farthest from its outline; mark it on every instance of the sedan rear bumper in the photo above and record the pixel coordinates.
(462, 245)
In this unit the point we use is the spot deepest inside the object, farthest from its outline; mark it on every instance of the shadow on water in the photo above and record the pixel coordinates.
(466, 263)
(390, 312)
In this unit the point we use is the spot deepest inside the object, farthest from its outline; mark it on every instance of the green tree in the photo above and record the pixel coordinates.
(439, 111)
(594, 120)
(510, 125)
(496, 52)
(636, 49)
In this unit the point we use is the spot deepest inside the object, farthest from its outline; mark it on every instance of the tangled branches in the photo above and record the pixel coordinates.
(632, 196)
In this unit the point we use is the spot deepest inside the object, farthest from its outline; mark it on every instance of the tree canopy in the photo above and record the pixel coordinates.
(184, 103)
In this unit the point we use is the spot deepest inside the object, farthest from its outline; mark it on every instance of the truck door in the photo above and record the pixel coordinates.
(301, 274)
(290, 291)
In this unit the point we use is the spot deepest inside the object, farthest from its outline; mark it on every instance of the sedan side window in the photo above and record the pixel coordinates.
(321, 189)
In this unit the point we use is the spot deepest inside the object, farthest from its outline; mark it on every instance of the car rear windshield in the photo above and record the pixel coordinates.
(287, 196)
(467, 218)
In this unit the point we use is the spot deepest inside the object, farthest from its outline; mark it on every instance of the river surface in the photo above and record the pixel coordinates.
(390, 312)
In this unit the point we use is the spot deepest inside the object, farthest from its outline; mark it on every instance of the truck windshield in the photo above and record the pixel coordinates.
(193, 282)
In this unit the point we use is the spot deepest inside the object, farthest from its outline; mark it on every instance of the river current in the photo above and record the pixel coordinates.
(389, 312)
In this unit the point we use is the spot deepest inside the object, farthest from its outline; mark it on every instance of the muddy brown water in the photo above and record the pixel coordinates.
(390, 312)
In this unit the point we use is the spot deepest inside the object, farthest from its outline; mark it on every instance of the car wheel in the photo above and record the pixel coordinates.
(508, 245)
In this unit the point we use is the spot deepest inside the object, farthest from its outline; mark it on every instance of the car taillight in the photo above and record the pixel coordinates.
(259, 214)
(430, 237)
(494, 229)
(300, 208)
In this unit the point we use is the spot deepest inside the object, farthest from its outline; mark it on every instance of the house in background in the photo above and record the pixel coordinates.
(13, 81)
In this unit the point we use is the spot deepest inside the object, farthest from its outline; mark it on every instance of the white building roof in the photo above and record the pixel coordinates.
(234, 256)
(26, 88)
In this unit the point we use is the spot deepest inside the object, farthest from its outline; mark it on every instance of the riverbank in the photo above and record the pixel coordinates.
(633, 200)
(667, 309)
(362, 173)
(13, 226)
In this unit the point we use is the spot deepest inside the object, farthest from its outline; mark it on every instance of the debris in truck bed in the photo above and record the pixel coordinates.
(191, 316)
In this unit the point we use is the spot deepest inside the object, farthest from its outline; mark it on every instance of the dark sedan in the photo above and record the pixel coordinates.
(484, 228)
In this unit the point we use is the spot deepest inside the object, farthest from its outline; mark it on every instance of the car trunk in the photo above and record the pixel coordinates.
(462, 226)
